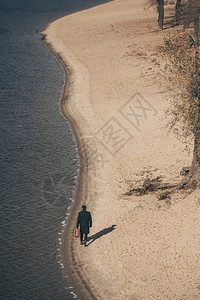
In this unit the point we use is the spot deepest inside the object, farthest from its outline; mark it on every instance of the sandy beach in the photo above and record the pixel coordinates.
(115, 98)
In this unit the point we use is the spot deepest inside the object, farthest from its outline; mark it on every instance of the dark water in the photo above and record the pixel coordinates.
(38, 153)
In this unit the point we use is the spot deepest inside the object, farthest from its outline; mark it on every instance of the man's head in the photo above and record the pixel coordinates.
(84, 207)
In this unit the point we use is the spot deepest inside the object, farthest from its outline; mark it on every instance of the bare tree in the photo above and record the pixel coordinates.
(197, 26)
(160, 8)
(192, 13)
(178, 8)
(183, 65)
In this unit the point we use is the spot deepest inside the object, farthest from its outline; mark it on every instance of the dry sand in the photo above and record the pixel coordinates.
(153, 253)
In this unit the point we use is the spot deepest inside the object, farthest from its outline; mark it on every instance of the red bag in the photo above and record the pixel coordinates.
(77, 232)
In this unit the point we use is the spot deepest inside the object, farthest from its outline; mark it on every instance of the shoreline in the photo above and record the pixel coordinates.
(81, 286)
(92, 46)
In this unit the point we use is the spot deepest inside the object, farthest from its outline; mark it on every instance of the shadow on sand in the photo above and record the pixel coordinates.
(170, 21)
(99, 234)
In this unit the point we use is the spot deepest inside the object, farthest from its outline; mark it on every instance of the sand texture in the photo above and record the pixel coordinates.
(116, 100)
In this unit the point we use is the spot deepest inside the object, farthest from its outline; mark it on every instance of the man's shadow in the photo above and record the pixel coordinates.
(97, 235)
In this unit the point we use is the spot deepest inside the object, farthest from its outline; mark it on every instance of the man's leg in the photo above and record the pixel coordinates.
(81, 237)
(86, 237)
(85, 240)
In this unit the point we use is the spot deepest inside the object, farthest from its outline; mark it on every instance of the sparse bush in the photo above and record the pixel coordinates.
(183, 72)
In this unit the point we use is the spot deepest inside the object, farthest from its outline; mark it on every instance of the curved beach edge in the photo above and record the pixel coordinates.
(82, 288)
(111, 58)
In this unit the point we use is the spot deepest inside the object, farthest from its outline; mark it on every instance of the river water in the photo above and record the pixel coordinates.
(39, 162)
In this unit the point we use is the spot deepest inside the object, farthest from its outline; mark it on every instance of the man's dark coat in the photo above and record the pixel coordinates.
(85, 221)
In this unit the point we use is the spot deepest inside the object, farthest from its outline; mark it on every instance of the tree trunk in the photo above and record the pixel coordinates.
(178, 11)
(160, 9)
(192, 12)
(188, 15)
(197, 29)
(195, 169)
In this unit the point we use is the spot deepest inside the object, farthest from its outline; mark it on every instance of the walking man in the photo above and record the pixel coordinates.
(85, 221)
